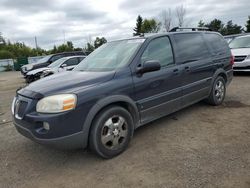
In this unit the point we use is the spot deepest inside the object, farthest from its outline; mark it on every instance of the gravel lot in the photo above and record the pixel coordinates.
(200, 146)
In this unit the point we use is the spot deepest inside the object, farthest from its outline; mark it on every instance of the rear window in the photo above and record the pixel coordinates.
(191, 47)
(217, 43)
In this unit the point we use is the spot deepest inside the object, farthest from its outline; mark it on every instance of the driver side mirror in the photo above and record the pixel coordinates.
(63, 65)
(149, 66)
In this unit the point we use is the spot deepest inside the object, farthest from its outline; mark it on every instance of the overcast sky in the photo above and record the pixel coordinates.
(80, 20)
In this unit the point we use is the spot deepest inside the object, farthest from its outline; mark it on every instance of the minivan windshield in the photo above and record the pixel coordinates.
(110, 56)
(44, 59)
(240, 42)
(57, 63)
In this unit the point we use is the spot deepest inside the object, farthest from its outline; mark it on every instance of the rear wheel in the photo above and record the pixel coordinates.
(218, 92)
(111, 132)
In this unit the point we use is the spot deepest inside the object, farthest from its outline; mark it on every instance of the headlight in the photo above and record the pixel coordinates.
(56, 103)
(248, 57)
(13, 105)
(29, 67)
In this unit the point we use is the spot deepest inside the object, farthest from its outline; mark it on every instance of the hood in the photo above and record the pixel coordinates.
(67, 82)
(240, 51)
(33, 72)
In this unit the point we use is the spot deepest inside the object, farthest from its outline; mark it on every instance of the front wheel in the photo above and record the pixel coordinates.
(111, 132)
(218, 92)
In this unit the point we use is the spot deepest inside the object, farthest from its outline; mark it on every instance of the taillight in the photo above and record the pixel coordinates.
(232, 60)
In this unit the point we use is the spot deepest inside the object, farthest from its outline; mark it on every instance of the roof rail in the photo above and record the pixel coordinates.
(191, 28)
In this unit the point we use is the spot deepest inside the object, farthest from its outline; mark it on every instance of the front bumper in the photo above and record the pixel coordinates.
(65, 129)
(242, 66)
(66, 142)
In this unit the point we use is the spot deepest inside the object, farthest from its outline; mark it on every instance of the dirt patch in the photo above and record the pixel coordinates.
(200, 146)
(234, 104)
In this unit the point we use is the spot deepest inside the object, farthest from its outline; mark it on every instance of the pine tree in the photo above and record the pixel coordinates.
(248, 25)
(138, 28)
(201, 24)
(231, 28)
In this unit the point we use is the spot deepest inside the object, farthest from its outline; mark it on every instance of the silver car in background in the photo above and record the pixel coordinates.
(60, 65)
(240, 48)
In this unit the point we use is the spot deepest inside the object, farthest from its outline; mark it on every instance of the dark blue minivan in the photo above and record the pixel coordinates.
(122, 85)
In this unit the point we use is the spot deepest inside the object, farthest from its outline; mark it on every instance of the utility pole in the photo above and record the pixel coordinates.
(1, 39)
(63, 37)
(36, 42)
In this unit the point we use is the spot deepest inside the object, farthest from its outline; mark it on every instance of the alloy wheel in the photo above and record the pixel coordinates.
(114, 132)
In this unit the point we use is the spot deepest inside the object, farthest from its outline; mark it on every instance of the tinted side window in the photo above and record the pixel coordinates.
(159, 49)
(191, 46)
(81, 58)
(71, 62)
(217, 43)
(56, 57)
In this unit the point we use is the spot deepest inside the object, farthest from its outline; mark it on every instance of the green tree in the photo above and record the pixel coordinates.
(54, 50)
(231, 28)
(99, 41)
(201, 24)
(68, 47)
(150, 26)
(89, 48)
(248, 25)
(4, 54)
(138, 27)
(216, 25)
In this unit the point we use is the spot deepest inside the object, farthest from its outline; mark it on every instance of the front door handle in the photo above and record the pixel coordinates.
(187, 68)
(176, 71)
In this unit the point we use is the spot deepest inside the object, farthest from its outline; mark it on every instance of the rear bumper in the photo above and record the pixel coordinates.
(66, 142)
(229, 76)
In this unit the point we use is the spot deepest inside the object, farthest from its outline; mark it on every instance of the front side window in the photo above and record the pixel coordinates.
(160, 50)
(110, 56)
(57, 63)
(72, 61)
(81, 58)
(191, 47)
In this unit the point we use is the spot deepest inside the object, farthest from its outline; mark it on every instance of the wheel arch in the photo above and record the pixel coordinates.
(220, 72)
(118, 100)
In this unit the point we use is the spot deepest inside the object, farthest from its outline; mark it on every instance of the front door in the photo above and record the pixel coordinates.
(158, 93)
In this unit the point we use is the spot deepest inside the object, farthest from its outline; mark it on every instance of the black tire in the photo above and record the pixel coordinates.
(217, 96)
(102, 129)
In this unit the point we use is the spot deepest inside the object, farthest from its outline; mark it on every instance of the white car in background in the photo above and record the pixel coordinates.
(60, 65)
(240, 48)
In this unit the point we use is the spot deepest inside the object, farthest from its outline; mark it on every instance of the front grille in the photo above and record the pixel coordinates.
(239, 58)
(241, 68)
(20, 108)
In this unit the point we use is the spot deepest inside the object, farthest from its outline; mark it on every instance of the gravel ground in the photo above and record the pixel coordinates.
(200, 146)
